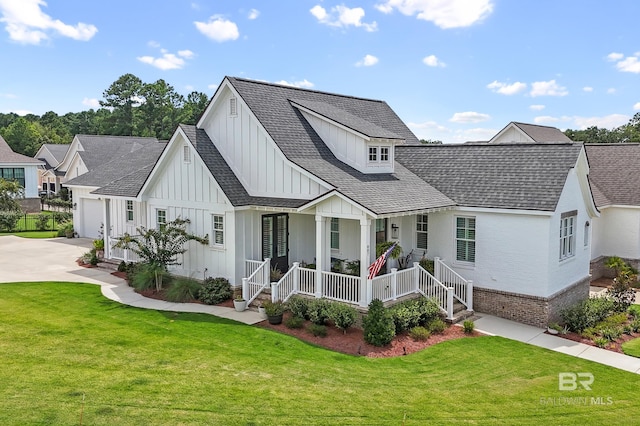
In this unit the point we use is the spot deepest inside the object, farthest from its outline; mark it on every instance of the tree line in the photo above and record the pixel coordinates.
(130, 107)
(629, 132)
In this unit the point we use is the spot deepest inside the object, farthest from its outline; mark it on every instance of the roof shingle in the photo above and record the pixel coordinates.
(614, 173)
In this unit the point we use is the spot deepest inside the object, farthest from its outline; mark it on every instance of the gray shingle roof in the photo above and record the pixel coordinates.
(509, 176)
(543, 133)
(7, 156)
(381, 193)
(123, 175)
(229, 183)
(101, 148)
(58, 150)
(614, 173)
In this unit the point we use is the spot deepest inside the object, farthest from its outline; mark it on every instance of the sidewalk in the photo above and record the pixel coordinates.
(495, 326)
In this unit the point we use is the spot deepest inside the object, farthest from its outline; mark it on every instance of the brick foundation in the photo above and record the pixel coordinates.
(30, 205)
(531, 310)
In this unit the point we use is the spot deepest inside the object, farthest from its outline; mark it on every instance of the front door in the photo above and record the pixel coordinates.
(275, 240)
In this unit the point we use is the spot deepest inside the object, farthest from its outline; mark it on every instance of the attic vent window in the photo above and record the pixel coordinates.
(233, 107)
(186, 154)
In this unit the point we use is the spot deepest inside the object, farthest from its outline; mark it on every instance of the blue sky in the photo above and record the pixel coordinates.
(453, 70)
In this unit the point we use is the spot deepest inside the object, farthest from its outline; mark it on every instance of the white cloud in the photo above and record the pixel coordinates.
(536, 107)
(213, 86)
(444, 14)
(469, 117)
(218, 29)
(507, 89)
(615, 56)
(342, 17)
(27, 23)
(608, 121)
(546, 119)
(8, 96)
(429, 125)
(91, 103)
(168, 61)
(628, 64)
(433, 61)
(587, 89)
(547, 88)
(20, 112)
(636, 106)
(367, 61)
(304, 83)
(253, 14)
(611, 90)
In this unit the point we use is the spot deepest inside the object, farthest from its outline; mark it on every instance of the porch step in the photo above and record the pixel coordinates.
(460, 313)
(264, 295)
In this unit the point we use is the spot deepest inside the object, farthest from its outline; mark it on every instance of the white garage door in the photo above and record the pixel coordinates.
(91, 218)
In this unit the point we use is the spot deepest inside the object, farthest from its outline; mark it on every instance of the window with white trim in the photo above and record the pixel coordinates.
(466, 239)
(422, 225)
(568, 234)
(186, 154)
(129, 210)
(379, 154)
(335, 233)
(161, 219)
(218, 230)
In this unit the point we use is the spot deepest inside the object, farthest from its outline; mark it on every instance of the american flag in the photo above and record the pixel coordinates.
(374, 268)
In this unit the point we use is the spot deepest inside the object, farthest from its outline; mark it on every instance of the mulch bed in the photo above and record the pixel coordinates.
(352, 343)
(613, 346)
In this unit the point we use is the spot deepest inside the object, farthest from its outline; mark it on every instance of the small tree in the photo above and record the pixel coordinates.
(160, 247)
(10, 192)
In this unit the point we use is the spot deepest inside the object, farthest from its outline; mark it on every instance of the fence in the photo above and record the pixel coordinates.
(21, 222)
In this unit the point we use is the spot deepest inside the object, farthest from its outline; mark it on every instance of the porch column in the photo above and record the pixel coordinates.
(365, 239)
(320, 257)
(106, 227)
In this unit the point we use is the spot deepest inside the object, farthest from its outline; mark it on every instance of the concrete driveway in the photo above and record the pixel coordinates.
(30, 259)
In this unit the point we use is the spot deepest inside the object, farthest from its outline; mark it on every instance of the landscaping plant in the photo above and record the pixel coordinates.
(299, 306)
(378, 325)
(343, 316)
(183, 289)
(215, 290)
(318, 310)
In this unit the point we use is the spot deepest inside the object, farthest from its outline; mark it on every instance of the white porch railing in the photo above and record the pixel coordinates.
(118, 253)
(340, 287)
(396, 284)
(429, 286)
(258, 280)
(462, 288)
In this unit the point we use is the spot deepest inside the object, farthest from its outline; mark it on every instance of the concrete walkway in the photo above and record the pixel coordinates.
(23, 259)
(495, 326)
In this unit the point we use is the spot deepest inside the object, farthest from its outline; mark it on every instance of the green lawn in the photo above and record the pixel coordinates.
(632, 347)
(32, 234)
(62, 342)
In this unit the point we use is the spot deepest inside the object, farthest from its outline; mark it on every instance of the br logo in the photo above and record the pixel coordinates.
(569, 381)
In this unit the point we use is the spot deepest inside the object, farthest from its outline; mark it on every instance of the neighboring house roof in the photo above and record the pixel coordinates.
(384, 193)
(510, 176)
(224, 176)
(8, 156)
(57, 150)
(124, 175)
(537, 133)
(614, 173)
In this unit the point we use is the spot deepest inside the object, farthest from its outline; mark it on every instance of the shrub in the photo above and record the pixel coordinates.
(343, 316)
(215, 290)
(589, 333)
(143, 276)
(601, 342)
(587, 313)
(413, 313)
(468, 326)
(627, 329)
(437, 326)
(42, 221)
(428, 265)
(379, 328)
(634, 311)
(122, 266)
(318, 310)
(93, 259)
(9, 220)
(274, 308)
(611, 333)
(294, 322)
(318, 330)
(635, 325)
(614, 320)
(419, 333)
(183, 290)
(299, 306)
(352, 267)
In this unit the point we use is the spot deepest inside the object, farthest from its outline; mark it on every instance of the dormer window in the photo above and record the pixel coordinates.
(379, 154)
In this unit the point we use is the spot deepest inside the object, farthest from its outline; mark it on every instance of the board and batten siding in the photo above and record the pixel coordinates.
(118, 217)
(185, 189)
(617, 232)
(253, 156)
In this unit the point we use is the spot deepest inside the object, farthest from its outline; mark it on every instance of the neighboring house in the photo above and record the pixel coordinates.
(24, 169)
(615, 181)
(48, 177)
(306, 177)
(529, 133)
(95, 161)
